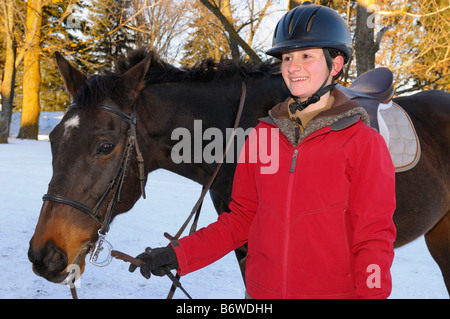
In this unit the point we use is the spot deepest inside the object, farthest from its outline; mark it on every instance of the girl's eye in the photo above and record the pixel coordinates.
(105, 149)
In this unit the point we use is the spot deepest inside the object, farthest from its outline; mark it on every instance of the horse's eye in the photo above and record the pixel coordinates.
(105, 149)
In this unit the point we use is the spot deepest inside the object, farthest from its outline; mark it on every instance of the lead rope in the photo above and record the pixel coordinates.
(197, 207)
(137, 262)
(73, 292)
(191, 231)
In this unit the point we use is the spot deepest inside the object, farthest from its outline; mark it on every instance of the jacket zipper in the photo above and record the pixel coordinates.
(288, 221)
(288, 204)
(293, 161)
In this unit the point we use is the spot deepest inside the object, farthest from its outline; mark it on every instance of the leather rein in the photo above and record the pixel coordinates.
(117, 185)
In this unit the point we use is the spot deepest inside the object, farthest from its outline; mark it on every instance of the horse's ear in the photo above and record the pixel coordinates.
(134, 79)
(73, 79)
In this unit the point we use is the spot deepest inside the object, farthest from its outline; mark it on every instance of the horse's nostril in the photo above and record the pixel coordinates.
(50, 258)
(55, 259)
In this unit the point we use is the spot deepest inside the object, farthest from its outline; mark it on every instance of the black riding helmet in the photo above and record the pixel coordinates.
(312, 26)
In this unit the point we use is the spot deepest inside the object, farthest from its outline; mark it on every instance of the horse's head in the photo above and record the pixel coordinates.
(91, 173)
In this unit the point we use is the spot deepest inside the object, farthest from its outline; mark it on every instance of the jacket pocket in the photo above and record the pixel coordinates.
(320, 260)
(263, 268)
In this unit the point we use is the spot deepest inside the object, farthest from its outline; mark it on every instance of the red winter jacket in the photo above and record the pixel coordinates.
(317, 216)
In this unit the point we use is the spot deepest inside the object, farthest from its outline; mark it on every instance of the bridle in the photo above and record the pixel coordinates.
(118, 182)
(115, 185)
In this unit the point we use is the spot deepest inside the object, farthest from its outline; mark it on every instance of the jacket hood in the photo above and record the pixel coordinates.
(343, 113)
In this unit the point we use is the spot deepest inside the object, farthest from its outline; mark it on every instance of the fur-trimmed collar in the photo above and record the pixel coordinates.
(342, 114)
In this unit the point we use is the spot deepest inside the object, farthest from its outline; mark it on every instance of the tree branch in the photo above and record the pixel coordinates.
(402, 12)
(230, 29)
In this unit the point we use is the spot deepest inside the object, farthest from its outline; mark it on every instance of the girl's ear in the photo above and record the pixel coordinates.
(338, 64)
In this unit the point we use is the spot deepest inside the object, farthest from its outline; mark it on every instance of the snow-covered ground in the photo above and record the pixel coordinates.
(25, 170)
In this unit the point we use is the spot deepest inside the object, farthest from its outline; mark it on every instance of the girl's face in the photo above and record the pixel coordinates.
(304, 71)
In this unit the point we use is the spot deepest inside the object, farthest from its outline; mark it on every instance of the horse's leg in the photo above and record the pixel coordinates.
(241, 253)
(438, 242)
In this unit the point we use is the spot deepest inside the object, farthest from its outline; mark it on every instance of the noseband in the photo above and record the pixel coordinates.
(116, 185)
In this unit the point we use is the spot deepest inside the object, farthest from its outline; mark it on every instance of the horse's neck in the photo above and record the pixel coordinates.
(175, 109)
(176, 112)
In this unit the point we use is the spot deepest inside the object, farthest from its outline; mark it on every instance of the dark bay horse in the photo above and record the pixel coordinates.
(89, 142)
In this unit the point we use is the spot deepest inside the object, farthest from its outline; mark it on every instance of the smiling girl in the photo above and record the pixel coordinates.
(321, 226)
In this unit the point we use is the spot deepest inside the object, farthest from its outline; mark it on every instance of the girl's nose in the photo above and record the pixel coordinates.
(295, 66)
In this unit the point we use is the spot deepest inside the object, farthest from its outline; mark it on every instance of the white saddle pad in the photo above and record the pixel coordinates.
(400, 136)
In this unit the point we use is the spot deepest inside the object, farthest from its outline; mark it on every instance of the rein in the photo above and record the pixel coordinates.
(216, 171)
(118, 183)
(198, 205)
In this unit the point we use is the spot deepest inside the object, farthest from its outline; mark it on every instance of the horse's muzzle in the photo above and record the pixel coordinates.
(49, 262)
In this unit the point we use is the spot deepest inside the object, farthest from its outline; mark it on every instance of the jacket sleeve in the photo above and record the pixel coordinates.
(372, 205)
(229, 232)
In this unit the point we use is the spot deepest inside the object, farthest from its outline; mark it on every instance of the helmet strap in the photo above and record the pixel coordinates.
(313, 99)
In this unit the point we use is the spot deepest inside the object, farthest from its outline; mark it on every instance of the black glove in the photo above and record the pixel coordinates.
(158, 261)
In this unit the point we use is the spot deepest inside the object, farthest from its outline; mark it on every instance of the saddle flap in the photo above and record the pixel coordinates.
(400, 135)
(374, 90)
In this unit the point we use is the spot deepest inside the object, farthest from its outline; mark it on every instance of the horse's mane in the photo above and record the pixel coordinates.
(99, 86)
(203, 71)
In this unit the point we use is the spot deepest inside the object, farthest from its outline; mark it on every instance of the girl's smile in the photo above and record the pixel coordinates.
(304, 71)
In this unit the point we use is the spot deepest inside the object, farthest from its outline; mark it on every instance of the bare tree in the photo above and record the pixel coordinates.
(232, 33)
(159, 24)
(366, 44)
(416, 45)
(9, 71)
(206, 37)
(29, 125)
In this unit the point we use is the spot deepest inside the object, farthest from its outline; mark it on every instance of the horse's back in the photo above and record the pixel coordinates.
(430, 113)
(431, 101)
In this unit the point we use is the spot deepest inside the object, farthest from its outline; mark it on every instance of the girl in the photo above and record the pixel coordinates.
(321, 225)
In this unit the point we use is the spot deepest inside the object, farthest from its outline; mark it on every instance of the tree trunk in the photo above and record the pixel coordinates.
(364, 42)
(226, 9)
(9, 73)
(29, 125)
(294, 3)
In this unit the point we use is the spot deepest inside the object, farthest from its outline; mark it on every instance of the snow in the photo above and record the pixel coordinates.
(25, 170)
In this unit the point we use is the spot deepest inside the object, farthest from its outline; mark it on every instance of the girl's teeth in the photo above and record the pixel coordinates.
(299, 79)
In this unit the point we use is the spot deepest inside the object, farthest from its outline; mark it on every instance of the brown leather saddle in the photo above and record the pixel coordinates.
(374, 90)
(370, 89)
